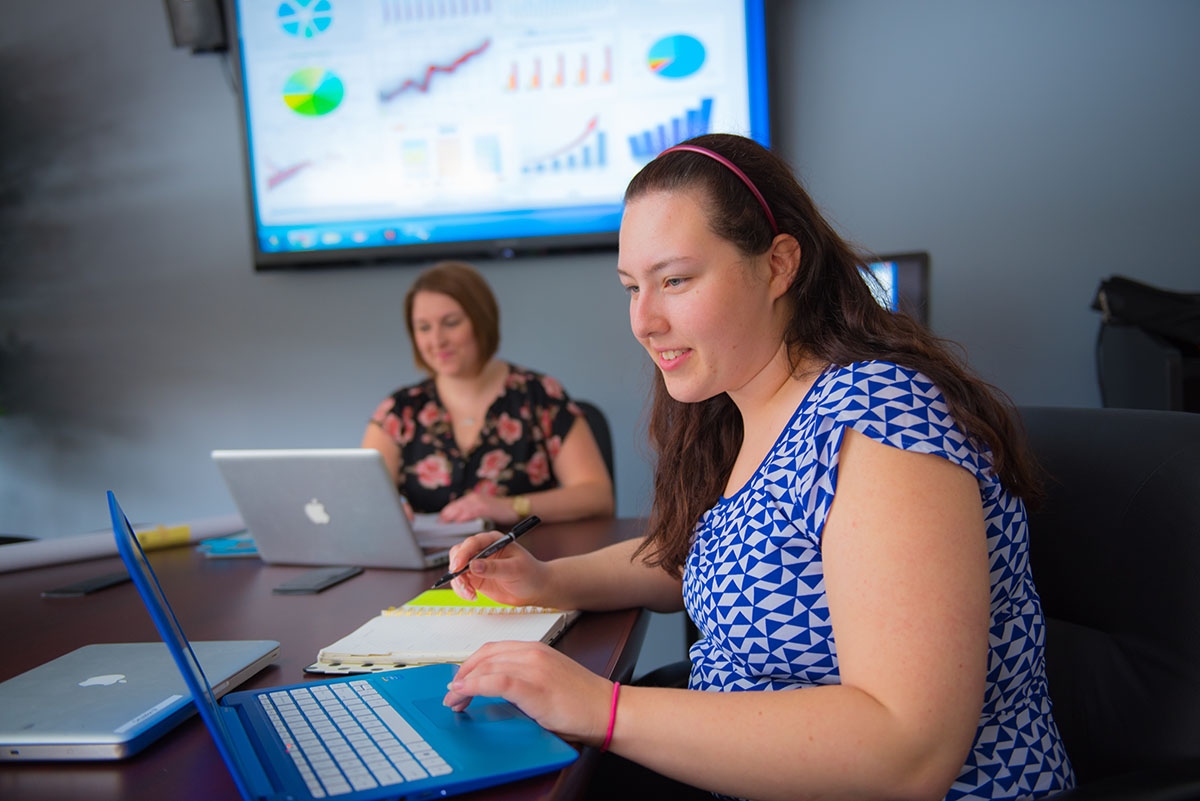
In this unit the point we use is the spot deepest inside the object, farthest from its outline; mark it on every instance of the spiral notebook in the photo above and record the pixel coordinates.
(437, 626)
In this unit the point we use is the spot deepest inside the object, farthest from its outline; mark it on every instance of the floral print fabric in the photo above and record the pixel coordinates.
(521, 435)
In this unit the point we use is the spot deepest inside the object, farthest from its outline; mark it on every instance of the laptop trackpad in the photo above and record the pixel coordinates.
(481, 710)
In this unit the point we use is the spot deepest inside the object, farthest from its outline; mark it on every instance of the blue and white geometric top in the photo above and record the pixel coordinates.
(754, 579)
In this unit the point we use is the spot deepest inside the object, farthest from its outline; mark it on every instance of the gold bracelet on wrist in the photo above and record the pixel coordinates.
(522, 505)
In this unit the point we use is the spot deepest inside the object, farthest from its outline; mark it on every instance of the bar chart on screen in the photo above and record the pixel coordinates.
(586, 151)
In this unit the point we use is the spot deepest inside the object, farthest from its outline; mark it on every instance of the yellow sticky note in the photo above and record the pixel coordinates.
(443, 598)
(448, 597)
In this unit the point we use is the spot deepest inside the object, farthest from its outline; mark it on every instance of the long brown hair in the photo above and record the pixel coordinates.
(835, 319)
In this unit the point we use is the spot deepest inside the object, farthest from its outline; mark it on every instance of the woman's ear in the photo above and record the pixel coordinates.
(784, 260)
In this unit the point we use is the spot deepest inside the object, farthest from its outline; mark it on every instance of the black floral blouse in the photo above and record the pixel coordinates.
(522, 433)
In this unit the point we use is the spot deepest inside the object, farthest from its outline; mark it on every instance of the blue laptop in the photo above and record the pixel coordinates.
(383, 735)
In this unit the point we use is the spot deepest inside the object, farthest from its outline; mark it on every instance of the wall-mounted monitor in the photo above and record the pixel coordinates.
(901, 283)
(414, 129)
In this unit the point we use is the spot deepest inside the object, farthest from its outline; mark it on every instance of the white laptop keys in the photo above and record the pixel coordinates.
(332, 506)
(110, 700)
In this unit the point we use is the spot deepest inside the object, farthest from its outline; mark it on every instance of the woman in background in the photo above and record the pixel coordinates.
(482, 437)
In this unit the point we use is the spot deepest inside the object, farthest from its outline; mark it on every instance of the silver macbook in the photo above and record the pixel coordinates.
(332, 506)
(110, 700)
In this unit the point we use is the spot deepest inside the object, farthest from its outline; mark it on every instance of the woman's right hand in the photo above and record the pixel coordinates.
(511, 576)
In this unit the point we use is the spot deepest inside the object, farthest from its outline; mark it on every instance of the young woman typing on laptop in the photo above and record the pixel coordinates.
(482, 437)
(838, 505)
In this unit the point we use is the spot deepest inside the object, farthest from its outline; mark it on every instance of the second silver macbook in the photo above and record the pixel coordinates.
(330, 506)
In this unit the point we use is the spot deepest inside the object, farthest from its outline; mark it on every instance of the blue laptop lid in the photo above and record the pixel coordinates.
(494, 741)
(168, 628)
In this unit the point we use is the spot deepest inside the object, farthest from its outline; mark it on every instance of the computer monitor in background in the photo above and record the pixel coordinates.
(901, 283)
(426, 129)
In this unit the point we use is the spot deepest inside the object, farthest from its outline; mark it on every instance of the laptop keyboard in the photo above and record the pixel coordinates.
(345, 737)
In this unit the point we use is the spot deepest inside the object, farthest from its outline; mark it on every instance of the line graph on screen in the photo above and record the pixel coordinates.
(424, 83)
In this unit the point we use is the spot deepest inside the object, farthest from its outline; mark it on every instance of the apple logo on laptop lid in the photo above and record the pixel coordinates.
(316, 512)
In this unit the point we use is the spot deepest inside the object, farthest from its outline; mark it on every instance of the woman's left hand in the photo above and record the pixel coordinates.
(554, 690)
(472, 505)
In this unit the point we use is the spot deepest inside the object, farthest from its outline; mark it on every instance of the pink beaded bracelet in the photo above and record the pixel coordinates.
(612, 717)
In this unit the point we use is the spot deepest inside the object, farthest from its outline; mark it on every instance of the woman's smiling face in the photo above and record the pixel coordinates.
(444, 335)
(703, 310)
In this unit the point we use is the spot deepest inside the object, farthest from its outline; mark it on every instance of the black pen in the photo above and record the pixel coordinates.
(497, 546)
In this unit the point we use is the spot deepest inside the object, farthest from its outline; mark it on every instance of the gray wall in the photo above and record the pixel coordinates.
(1031, 147)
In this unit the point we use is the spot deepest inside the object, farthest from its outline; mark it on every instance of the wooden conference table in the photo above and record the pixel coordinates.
(222, 599)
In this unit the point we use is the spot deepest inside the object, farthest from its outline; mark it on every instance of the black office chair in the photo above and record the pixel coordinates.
(1115, 552)
(1148, 346)
(600, 430)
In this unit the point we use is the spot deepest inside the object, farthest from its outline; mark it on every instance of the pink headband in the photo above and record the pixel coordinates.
(717, 157)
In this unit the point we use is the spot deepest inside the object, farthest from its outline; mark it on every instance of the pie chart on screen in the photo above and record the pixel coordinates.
(313, 91)
(676, 56)
(305, 18)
